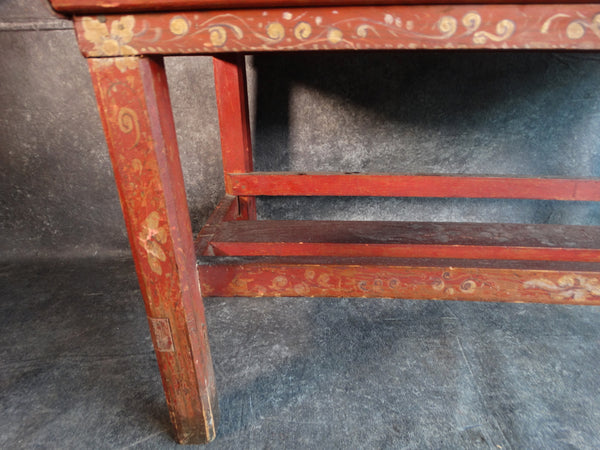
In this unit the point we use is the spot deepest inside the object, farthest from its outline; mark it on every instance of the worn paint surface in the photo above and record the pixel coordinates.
(88, 6)
(161, 330)
(135, 110)
(541, 242)
(568, 287)
(416, 281)
(565, 26)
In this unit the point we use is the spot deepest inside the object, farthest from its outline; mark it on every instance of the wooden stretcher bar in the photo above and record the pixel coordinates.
(406, 240)
(451, 261)
(408, 278)
(394, 185)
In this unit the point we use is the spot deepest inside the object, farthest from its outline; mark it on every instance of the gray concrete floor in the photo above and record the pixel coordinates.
(78, 369)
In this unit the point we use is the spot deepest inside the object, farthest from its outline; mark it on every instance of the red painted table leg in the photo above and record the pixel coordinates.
(134, 105)
(236, 142)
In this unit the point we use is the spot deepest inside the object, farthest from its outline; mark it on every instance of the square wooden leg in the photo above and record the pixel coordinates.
(234, 124)
(134, 105)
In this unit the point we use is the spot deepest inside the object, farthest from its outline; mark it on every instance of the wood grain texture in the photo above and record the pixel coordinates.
(94, 6)
(417, 278)
(406, 240)
(227, 210)
(561, 26)
(234, 122)
(390, 185)
(136, 113)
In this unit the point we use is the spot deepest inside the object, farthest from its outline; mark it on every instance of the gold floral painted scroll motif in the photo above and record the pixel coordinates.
(496, 26)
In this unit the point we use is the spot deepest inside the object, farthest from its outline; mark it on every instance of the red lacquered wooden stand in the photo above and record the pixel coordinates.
(236, 255)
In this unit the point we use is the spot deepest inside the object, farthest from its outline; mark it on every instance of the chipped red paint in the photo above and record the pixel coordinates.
(560, 26)
(136, 113)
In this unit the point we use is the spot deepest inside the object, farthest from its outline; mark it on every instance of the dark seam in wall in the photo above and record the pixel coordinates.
(36, 25)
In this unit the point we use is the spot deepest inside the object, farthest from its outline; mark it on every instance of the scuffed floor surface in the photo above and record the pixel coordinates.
(78, 369)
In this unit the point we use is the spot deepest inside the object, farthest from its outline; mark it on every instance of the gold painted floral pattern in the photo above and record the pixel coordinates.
(313, 283)
(152, 238)
(113, 43)
(572, 286)
(408, 27)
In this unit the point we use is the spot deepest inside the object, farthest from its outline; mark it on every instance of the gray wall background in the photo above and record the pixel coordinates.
(491, 113)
